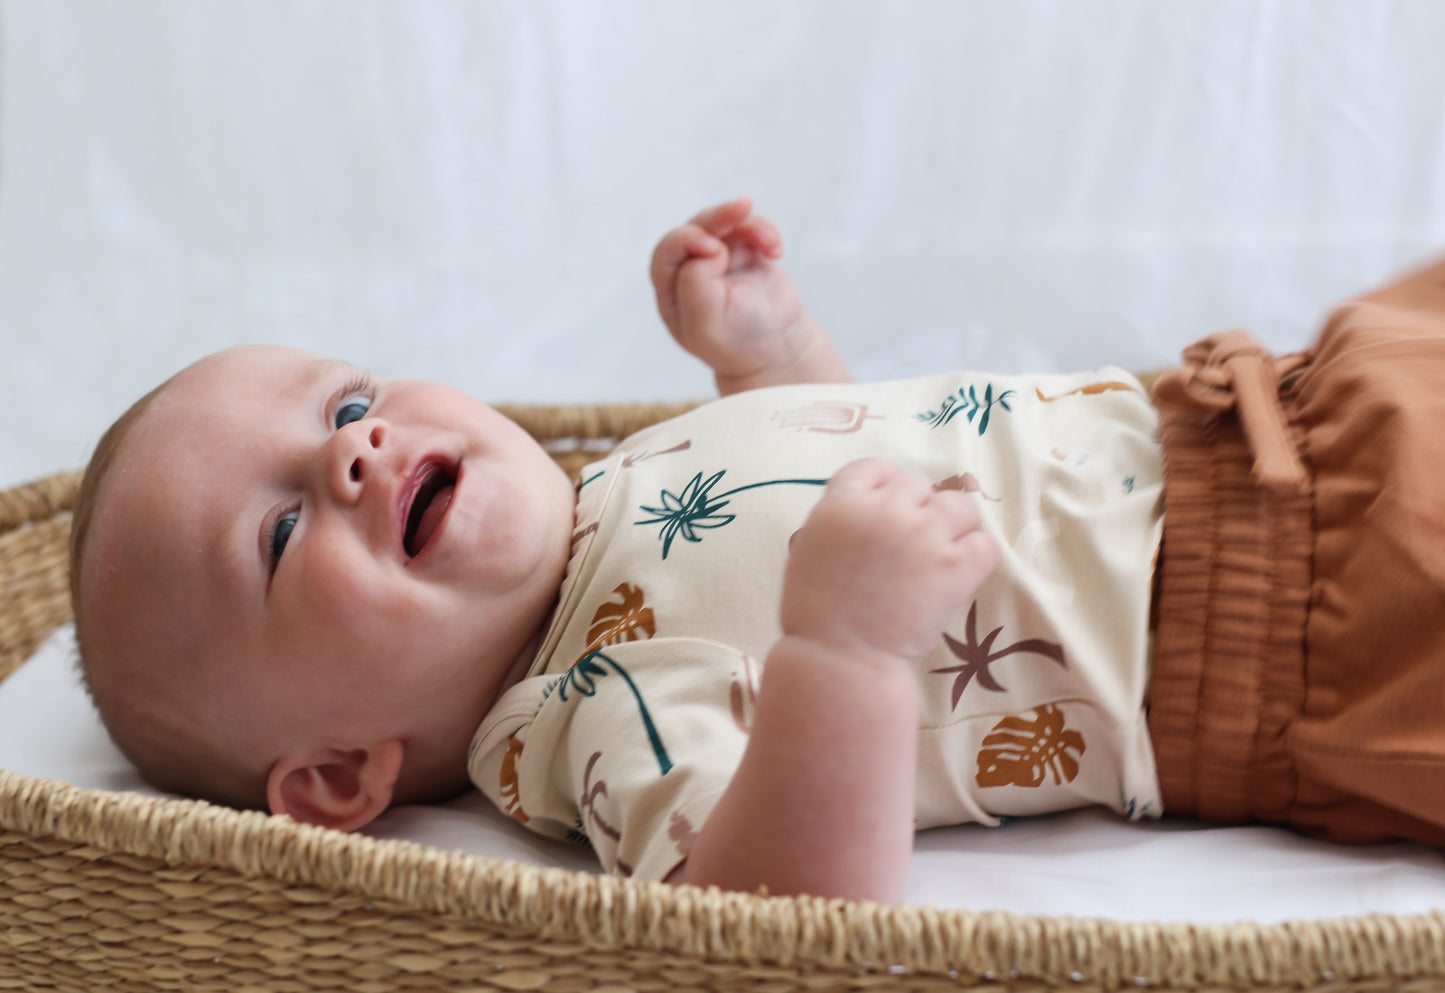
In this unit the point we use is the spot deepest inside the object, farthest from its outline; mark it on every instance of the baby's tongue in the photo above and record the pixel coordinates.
(431, 518)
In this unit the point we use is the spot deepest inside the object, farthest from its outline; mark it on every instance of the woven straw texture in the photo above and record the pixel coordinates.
(108, 891)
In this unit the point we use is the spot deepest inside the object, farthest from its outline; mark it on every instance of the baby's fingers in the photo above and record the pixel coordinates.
(724, 218)
(978, 558)
(762, 235)
(957, 512)
(863, 474)
(678, 246)
(979, 548)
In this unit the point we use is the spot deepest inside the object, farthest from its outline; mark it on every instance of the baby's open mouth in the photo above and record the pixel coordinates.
(432, 495)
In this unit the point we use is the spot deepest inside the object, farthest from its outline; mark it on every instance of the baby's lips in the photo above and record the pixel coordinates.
(425, 499)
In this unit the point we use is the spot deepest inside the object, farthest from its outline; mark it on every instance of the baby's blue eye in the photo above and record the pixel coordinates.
(280, 534)
(353, 409)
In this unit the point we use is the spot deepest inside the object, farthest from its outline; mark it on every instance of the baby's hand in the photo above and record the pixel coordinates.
(883, 563)
(723, 294)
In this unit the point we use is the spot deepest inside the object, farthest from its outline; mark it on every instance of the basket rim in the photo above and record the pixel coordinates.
(720, 927)
(39, 499)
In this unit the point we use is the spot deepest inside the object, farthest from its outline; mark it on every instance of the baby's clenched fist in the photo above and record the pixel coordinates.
(884, 562)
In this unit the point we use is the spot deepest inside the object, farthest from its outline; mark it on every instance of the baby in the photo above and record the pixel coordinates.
(746, 650)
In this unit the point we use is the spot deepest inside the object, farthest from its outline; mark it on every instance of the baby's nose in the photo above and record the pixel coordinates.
(375, 438)
(351, 456)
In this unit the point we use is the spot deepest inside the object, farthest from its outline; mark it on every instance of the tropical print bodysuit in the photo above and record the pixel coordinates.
(634, 715)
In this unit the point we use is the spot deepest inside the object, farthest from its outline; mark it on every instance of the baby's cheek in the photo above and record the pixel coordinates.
(365, 607)
(339, 589)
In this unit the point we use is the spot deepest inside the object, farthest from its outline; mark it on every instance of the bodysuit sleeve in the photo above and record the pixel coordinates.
(630, 748)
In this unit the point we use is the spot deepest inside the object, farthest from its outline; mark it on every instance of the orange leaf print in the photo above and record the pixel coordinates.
(626, 619)
(1093, 389)
(508, 786)
(1019, 750)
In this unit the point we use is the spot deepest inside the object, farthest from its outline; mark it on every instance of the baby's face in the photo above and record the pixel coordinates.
(346, 556)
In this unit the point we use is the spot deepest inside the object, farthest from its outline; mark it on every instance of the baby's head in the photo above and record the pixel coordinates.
(301, 588)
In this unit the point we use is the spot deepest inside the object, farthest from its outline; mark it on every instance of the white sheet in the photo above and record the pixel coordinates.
(1086, 863)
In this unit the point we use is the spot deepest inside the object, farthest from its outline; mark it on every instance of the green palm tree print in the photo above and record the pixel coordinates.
(583, 677)
(698, 508)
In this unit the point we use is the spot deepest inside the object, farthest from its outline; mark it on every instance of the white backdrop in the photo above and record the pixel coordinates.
(470, 191)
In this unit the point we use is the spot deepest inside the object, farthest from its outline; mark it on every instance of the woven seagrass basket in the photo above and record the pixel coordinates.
(110, 891)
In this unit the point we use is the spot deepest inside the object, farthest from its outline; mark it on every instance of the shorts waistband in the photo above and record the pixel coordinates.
(1233, 584)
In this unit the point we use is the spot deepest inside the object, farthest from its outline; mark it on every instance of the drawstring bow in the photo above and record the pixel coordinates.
(1231, 369)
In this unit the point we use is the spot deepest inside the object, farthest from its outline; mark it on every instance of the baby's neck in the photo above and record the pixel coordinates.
(518, 669)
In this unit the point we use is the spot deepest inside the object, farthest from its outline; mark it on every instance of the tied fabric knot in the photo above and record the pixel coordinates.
(1232, 370)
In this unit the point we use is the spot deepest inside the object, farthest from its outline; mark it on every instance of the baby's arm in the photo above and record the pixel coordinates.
(822, 801)
(726, 299)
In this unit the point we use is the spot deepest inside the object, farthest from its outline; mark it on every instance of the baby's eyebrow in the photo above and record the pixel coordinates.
(314, 373)
(310, 378)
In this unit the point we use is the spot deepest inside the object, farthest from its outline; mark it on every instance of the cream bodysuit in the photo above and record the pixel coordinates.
(634, 715)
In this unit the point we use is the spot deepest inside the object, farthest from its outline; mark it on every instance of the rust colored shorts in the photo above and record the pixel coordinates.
(1300, 655)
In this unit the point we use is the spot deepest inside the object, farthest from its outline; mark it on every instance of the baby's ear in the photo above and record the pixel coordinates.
(334, 787)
